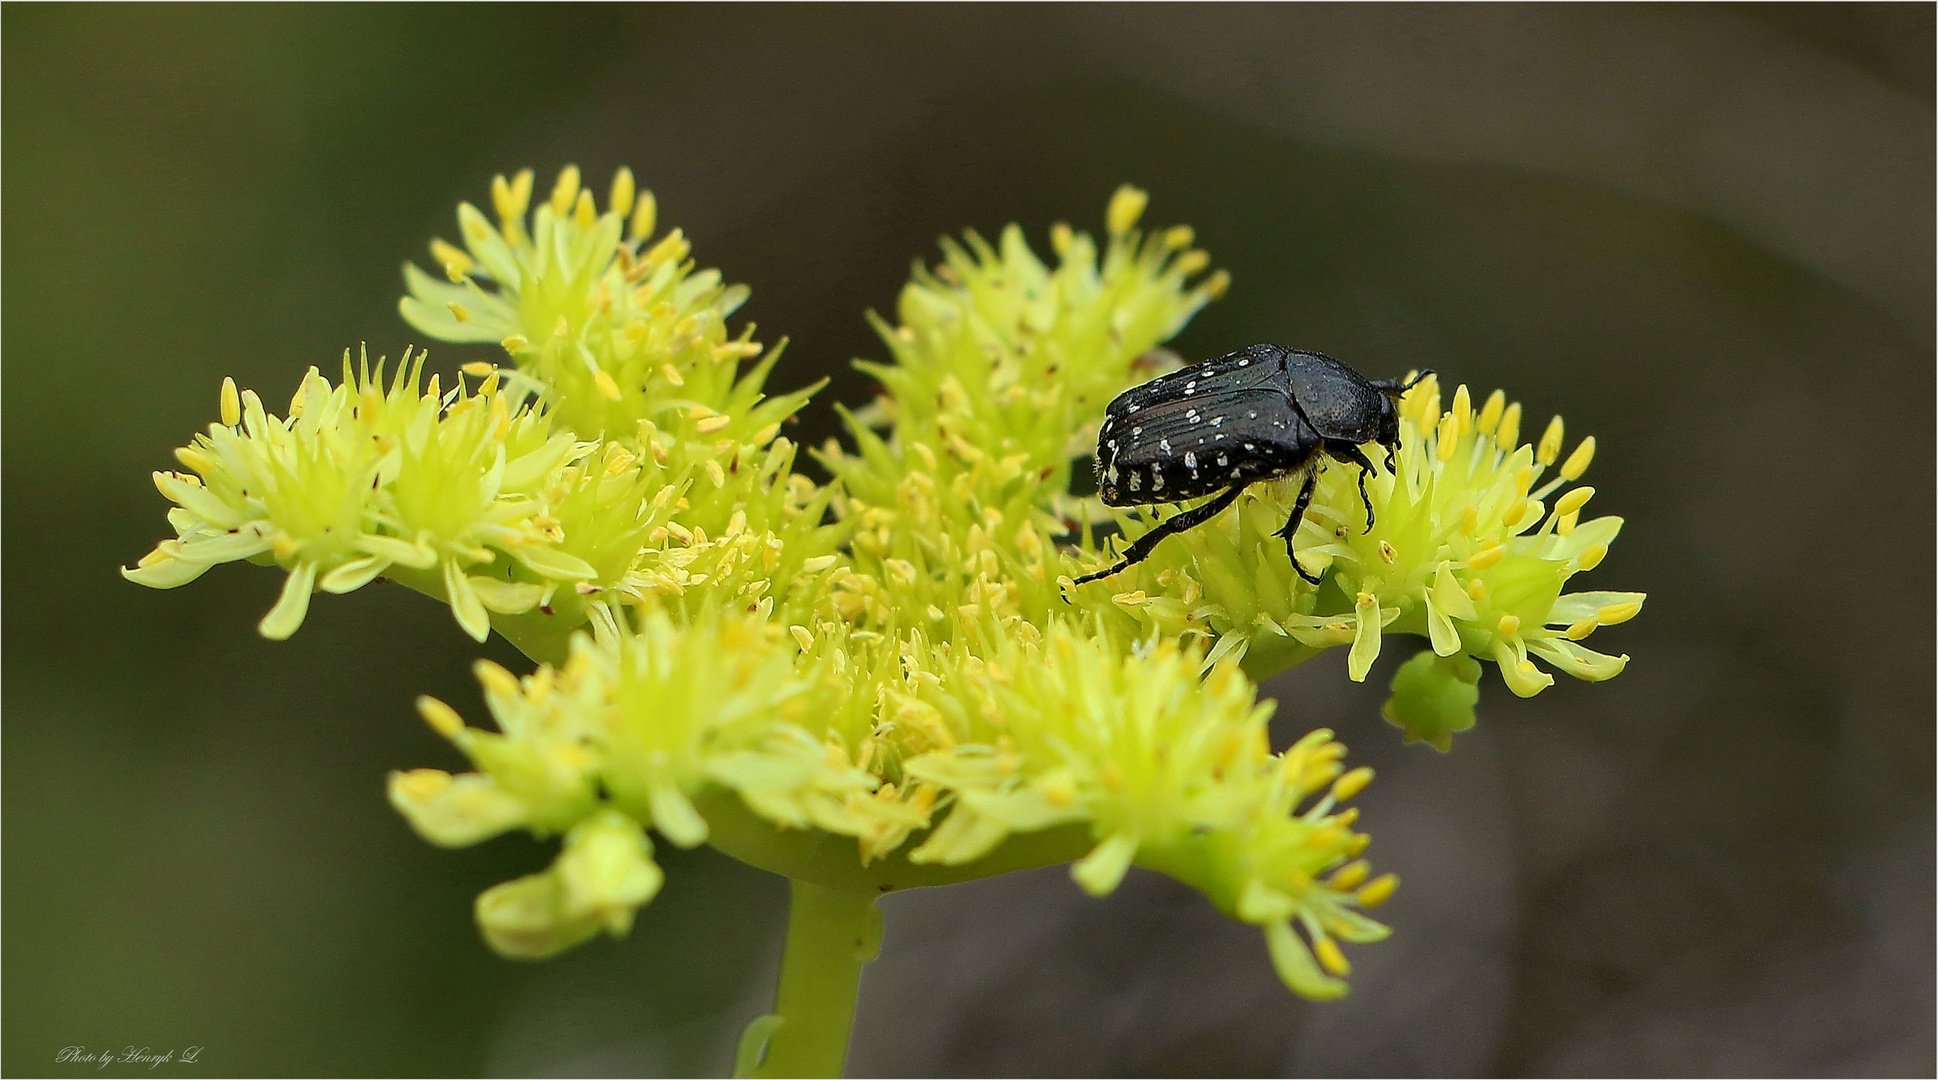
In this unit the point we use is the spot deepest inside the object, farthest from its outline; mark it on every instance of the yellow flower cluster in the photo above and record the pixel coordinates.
(448, 490)
(887, 681)
(1464, 551)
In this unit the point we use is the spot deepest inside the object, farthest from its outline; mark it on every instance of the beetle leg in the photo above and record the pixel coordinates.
(1392, 462)
(1140, 548)
(1350, 454)
(1292, 525)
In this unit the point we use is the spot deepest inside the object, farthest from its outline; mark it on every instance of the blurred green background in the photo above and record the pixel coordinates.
(1702, 234)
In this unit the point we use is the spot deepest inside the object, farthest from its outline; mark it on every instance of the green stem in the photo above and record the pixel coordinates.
(830, 935)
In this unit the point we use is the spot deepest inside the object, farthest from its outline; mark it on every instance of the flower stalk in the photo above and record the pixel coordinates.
(831, 935)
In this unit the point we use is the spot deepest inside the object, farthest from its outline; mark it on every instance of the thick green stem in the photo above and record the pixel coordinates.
(830, 935)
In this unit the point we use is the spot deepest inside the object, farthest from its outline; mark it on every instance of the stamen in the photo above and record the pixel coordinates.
(1550, 446)
(1126, 206)
(1577, 462)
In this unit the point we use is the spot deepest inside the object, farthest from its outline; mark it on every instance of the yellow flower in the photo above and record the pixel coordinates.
(360, 479)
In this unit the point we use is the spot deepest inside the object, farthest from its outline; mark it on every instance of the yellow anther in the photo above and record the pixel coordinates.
(561, 328)
(1387, 554)
(1565, 524)
(1330, 958)
(1061, 237)
(1126, 206)
(454, 259)
(1490, 413)
(1349, 876)
(1059, 789)
(1477, 590)
(766, 434)
(1508, 626)
(283, 544)
(1487, 557)
(1523, 480)
(512, 199)
(608, 388)
(645, 216)
(802, 637)
(1577, 462)
(1217, 284)
(672, 245)
(1616, 614)
(478, 369)
(515, 344)
(712, 424)
(1511, 516)
(1550, 445)
(1509, 435)
(459, 311)
(431, 392)
(1193, 261)
(671, 374)
(194, 459)
(1574, 500)
(490, 384)
(1582, 629)
(566, 190)
(370, 404)
(1463, 408)
(585, 212)
(443, 719)
(1379, 890)
(1593, 557)
(1469, 520)
(422, 784)
(1448, 437)
(621, 200)
(231, 403)
(1178, 236)
(1352, 783)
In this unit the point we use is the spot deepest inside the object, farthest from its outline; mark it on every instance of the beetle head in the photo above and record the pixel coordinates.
(1387, 428)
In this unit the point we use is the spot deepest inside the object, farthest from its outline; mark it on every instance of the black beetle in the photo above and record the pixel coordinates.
(1260, 413)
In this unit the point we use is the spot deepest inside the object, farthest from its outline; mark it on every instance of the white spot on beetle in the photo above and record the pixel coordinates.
(1216, 420)
(1130, 408)
(1223, 461)
(1190, 460)
(1110, 475)
(1164, 445)
(1244, 363)
(1112, 444)
(1136, 481)
(1157, 481)
(1249, 446)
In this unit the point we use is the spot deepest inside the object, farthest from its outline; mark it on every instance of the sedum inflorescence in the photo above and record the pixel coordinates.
(732, 652)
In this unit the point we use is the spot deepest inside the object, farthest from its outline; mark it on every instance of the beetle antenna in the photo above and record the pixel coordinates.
(1393, 387)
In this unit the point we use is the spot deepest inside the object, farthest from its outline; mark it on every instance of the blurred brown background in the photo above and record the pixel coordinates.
(1703, 234)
